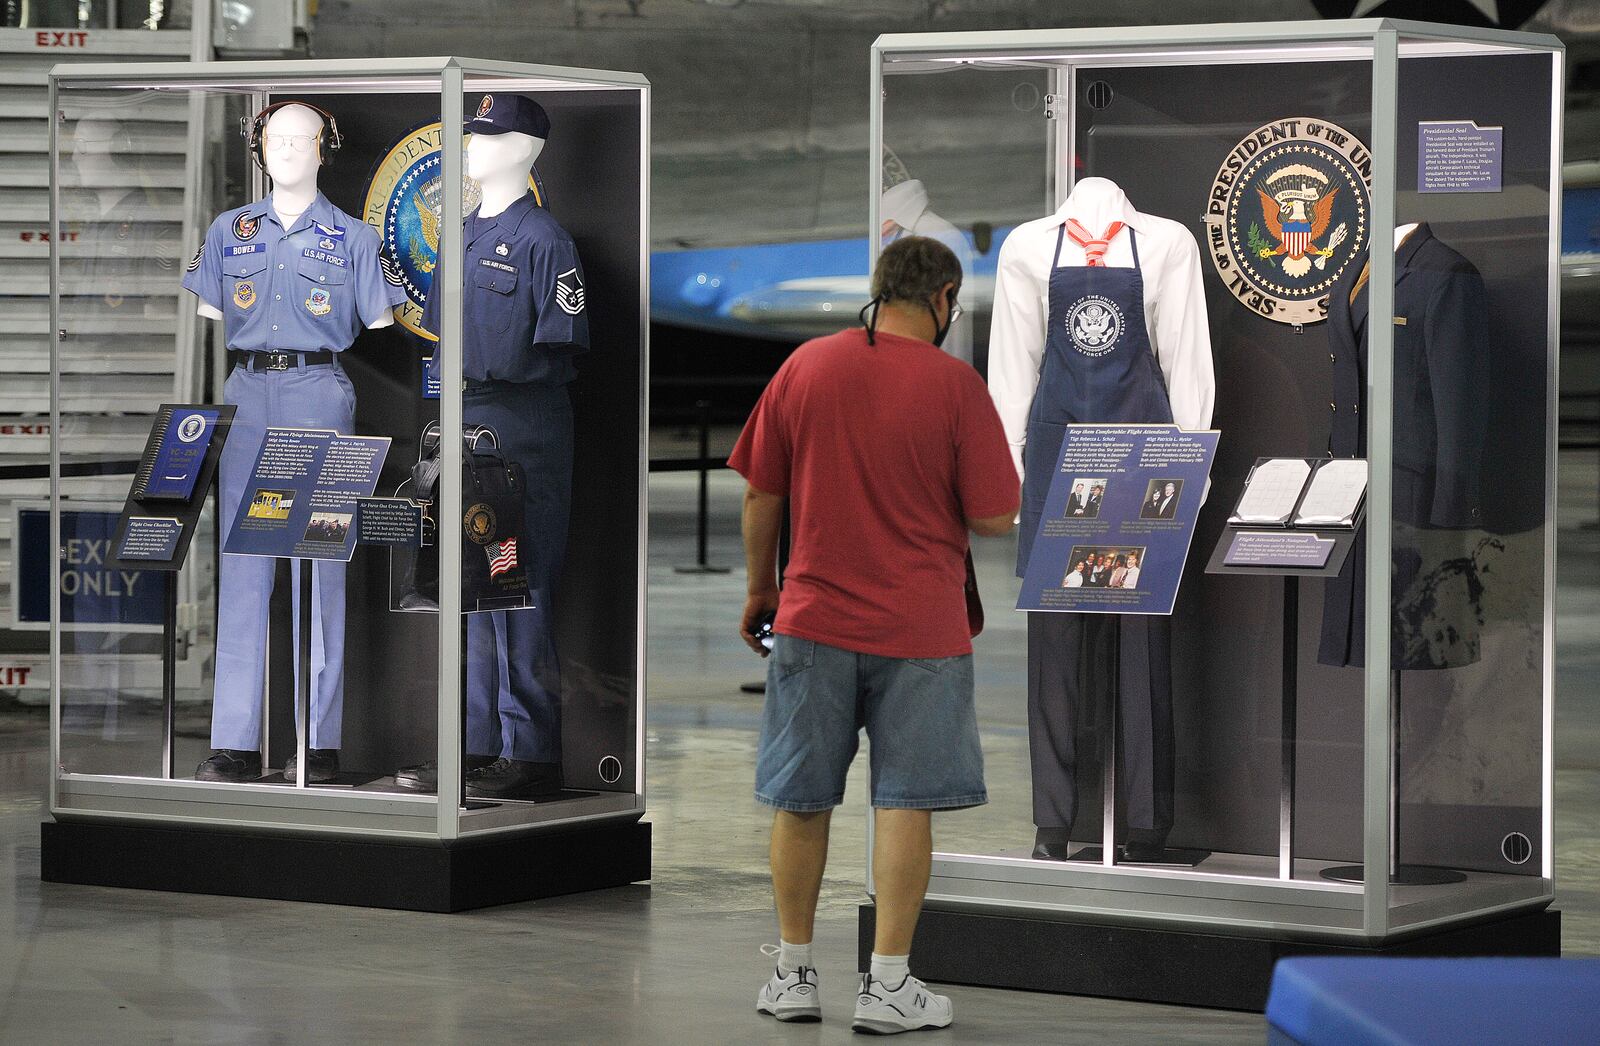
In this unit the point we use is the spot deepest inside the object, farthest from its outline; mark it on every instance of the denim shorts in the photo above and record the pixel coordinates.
(921, 726)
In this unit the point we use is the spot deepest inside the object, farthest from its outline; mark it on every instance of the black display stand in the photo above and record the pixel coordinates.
(423, 876)
(1151, 964)
(1343, 541)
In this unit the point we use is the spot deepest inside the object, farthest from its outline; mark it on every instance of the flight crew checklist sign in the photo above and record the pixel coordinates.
(300, 501)
(1118, 520)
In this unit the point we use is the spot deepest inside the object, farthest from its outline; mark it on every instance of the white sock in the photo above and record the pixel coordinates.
(792, 957)
(891, 970)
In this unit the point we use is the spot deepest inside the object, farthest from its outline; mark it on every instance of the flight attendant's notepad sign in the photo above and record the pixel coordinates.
(1118, 520)
(301, 498)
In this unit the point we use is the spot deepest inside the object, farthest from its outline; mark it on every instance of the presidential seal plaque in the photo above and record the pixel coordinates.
(1288, 215)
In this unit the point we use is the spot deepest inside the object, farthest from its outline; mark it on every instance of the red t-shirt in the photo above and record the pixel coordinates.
(884, 452)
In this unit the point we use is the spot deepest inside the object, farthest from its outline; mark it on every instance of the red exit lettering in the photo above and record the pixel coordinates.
(15, 676)
(65, 38)
(10, 429)
(43, 236)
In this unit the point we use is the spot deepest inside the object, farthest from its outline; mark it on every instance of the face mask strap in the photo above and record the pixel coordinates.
(870, 322)
(940, 333)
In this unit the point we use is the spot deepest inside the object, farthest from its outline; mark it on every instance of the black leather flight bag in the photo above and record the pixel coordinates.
(494, 575)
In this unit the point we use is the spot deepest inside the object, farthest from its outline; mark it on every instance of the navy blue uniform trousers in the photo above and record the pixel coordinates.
(513, 672)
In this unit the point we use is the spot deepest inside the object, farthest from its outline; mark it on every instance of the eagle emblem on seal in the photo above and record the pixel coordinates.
(1297, 208)
(1094, 324)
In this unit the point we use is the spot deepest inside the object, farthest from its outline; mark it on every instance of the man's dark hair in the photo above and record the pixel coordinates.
(913, 269)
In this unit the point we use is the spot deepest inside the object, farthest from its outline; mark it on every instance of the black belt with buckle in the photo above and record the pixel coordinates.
(283, 360)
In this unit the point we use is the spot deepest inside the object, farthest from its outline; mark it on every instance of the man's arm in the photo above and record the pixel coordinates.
(993, 526)
(762, 522)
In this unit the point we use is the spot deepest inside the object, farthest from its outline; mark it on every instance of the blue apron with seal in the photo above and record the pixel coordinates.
(1098, 367)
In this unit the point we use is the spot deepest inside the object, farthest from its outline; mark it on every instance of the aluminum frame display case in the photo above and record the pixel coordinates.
(1158, 109)
(411, 668)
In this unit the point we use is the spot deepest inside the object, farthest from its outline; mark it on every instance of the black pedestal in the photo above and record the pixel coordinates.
(1149, 964)
(415, 876)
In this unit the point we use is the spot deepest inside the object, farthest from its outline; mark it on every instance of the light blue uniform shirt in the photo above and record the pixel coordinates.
(309, 289)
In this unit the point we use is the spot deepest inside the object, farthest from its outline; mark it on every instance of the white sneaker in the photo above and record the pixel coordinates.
(790, 996)
(910, 1007)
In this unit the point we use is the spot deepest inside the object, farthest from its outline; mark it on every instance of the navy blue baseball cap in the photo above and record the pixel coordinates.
(502, 113)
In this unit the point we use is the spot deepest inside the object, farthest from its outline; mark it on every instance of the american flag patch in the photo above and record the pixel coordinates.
(502, 556)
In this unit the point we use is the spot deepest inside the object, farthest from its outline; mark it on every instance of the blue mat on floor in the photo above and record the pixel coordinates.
(1355, 1001)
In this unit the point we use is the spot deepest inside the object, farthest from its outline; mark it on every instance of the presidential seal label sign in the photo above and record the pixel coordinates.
(1094, 323)
(1288, 214)
(404, 202)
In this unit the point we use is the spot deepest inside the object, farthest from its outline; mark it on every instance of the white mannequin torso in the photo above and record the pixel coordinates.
(1174, 299)
(294, 180)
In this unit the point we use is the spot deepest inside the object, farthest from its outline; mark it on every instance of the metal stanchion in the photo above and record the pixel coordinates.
(701, 565)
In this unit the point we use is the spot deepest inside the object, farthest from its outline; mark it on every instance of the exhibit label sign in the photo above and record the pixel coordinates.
(1118, 519)
(1458, 156)
(301, 498)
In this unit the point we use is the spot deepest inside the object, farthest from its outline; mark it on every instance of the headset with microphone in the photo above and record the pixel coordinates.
(252, 129)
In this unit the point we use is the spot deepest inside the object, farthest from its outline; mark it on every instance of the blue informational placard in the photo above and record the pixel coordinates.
(1458, 156)
(430, 380)
(1118, 520)
(95, 596)
(301, 498)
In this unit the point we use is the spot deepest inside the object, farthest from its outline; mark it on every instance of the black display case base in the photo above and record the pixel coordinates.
(414, 876)
(1151, 964)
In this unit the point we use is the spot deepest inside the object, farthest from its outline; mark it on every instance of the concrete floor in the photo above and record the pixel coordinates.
(675, 961)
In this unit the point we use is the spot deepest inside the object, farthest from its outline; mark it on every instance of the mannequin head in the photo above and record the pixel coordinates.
(290, 145)
(498, 157)
(101, 148)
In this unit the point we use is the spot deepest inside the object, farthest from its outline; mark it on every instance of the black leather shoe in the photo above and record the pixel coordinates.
(514, 779)
(1051, 844)
(229, 764)
(322, 764)
(424, 777)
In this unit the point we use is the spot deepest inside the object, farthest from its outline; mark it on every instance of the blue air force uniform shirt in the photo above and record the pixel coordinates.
(310, 288)
(524, 318)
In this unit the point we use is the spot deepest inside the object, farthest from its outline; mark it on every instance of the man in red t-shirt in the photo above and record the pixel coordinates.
(886, 452)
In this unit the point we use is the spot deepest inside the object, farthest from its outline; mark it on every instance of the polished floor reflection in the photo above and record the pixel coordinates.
(675, 961)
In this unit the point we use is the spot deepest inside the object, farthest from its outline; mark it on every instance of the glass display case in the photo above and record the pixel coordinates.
(1285, 784)
(431, 681)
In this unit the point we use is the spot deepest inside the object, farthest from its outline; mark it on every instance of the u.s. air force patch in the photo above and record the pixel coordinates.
(1288, 214)
(404, 201)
